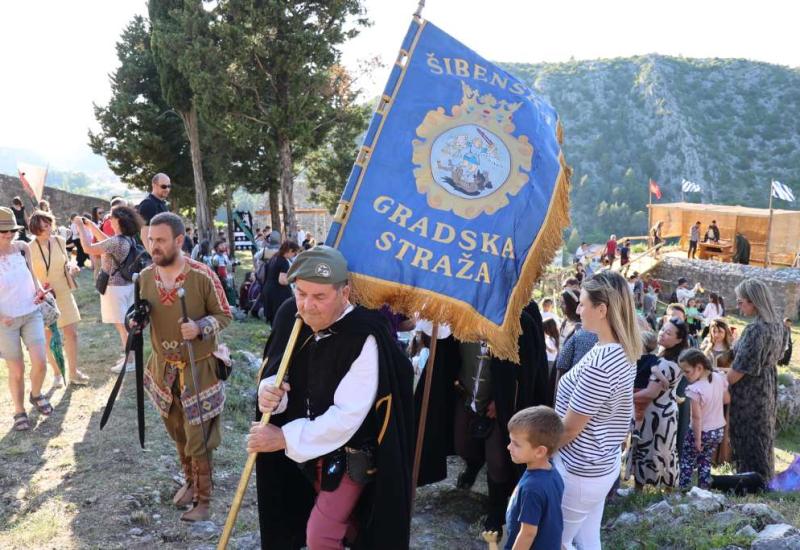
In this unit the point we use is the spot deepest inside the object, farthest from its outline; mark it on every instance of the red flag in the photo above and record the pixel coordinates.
(32, 178)
(654, 188)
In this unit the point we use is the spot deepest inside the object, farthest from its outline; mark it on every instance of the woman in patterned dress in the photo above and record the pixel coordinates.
(753, 381)
(655, 454)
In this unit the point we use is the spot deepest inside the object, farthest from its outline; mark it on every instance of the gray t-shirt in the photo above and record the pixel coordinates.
(694, 234)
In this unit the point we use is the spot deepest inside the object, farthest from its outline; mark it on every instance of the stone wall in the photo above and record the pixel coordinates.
(61, 202)
(722, 278)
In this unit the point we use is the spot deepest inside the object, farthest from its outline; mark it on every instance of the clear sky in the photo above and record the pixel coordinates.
(56, 54)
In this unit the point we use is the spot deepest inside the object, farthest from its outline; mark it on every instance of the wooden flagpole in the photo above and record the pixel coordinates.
(769, 227)
(650, 214)
(423, 414)
(251, 458)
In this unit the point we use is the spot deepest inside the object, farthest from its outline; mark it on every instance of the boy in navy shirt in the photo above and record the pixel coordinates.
(533, 517)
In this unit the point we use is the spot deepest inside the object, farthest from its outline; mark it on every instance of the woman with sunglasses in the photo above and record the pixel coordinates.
(753, 380)
(655, 455)
(595, 401)
(20, 321)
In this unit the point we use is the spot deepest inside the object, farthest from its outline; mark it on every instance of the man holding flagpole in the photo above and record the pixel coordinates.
(455, 205)
(344, 418)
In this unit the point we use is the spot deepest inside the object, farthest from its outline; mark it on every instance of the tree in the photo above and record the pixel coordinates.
(280, 64)
(176, 24)
(329, 166)
(140, 135)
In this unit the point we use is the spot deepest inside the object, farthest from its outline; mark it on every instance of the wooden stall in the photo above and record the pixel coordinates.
(753, 223)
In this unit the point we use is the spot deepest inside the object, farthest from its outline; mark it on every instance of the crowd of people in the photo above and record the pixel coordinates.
(656, 398)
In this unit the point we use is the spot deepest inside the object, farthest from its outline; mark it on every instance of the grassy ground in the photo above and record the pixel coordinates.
(65, 484)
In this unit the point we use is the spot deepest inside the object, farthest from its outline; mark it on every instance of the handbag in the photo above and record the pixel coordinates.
(101, 282)
(224, 365)
(49, 309)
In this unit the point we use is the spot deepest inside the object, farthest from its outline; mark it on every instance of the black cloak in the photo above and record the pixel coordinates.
(438, 442)
(516, 387)
(285, 496)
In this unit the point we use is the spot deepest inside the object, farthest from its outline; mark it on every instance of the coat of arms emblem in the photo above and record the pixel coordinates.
(469, 162)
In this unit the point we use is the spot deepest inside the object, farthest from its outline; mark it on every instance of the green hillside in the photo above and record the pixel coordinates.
(729, 125)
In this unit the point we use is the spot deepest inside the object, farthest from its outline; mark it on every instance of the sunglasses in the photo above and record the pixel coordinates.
(165, 186)
(8, 230)
(677, 321)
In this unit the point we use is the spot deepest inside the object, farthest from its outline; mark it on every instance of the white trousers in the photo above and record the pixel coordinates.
(582, 506)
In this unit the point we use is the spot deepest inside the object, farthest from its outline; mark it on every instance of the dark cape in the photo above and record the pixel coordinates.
(274, 293)
(286, 497)
(514, 387)
(438, 442)
(742, 246)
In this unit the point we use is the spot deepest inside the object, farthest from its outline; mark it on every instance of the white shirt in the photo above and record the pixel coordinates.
(301, 236)
(308, 439)
(684, 294)
(600, 386)
(426, 326)
(16, 286)
(712, 311)
(552, 350)
(550, 315)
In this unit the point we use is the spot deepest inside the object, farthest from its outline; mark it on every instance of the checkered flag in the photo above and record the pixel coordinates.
(690, 186)
(781, 191)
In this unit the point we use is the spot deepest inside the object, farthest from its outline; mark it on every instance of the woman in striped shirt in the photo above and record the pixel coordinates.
(595, 401)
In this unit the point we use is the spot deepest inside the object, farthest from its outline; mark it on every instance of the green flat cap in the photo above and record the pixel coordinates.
(321, 264)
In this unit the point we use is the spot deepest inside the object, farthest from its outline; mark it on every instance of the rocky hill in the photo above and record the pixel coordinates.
(729, 125)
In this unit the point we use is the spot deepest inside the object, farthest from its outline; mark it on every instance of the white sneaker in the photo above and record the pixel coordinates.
(58, 381)
(129, 367)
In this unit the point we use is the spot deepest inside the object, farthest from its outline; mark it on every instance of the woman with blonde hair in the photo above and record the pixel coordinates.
(52, 266)
(753, 380)
(595, 401)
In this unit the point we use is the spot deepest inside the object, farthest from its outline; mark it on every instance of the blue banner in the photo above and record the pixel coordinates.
(459, 194)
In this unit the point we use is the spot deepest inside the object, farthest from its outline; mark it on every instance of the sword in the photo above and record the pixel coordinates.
(193, 368)
(138, 349)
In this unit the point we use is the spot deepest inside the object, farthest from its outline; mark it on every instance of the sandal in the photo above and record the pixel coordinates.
(21, 422)
(79, 379)
(42, 404)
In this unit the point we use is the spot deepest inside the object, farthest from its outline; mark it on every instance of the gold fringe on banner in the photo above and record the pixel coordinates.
(466, 323)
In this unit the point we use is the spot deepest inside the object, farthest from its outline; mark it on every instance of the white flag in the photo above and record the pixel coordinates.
(690, 186)
(781, 191)
(32, 178)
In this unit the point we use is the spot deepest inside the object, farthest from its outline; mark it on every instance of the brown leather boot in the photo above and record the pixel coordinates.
(185, 495)
(201, 511)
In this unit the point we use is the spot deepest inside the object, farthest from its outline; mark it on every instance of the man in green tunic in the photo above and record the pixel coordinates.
(168, 378)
